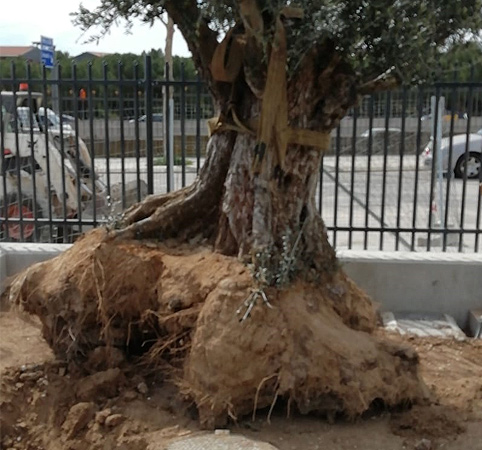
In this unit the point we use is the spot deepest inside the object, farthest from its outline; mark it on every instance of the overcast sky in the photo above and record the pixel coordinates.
(24, 21)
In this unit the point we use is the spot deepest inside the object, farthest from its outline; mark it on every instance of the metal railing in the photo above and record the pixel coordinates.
(109, 145)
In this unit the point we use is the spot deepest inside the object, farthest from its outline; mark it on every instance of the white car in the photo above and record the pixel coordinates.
(460, 162)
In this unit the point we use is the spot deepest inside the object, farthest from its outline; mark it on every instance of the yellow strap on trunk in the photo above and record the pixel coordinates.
(273, 124)
(272, 130)
(227, 58)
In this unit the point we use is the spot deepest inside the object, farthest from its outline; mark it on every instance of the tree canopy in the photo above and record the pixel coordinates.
(374, 37)
(112, 61)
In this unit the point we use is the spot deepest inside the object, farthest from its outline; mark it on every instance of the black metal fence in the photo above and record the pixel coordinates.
(76, 152)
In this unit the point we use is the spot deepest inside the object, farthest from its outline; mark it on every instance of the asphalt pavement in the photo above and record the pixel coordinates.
(391, 199)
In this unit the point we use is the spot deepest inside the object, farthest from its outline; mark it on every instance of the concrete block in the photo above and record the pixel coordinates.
(15, 257)
(423, 325)
(22, 255)
(475, 323)
(426, 282)
(3, 267)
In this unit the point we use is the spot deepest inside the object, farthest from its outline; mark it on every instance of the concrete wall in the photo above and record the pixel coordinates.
(400, 281)
(426, 282)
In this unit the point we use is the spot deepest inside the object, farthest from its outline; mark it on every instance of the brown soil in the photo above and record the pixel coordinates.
(147, 345)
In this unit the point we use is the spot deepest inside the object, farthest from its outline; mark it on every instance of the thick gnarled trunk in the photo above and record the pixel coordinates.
(268, 216)
(273, 213)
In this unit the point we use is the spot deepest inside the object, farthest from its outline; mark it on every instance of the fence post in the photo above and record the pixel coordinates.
(149, 138)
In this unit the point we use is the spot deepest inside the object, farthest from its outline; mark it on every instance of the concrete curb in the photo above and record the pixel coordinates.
(429, 282)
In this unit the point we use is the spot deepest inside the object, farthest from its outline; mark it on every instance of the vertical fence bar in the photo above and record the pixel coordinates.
(78, 181)
(449, 173)
(47, 152)
(337, 180)
(479, 214)
(183, 125)
(148, 105)
(17, 156)
(120, 75)
(320, 185)
(478, 102)
(385, 157)
(106, 126)
(136, 130)
(90, 105)
(420, 96)
(369, 165)
(352, 178)
(3, 150)
(435, 116)
(65, 227)
(198, 123)
(33, 143)
(466, 160)
(167, 93)
(400, 168)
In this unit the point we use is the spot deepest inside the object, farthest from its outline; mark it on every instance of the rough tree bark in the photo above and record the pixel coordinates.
(271, 211)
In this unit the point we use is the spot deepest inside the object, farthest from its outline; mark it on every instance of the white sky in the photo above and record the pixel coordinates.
(24, 21)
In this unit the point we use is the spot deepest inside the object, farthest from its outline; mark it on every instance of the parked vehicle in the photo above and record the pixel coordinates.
(156, 117)
(380, 132)
(466, 154)
(41, 172)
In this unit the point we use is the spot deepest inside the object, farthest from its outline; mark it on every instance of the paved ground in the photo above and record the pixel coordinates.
(383, 198)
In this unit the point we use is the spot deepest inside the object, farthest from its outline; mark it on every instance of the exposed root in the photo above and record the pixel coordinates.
(250, 302)
(162, 346)
(183, 215)
(185, 212)
(256, 397)
(147, 207)
(268, 419)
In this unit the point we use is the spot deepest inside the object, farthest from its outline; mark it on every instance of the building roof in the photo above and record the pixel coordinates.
(85, 55)
(7, 51)
(98, 54)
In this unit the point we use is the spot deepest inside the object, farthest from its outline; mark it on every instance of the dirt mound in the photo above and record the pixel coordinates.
(178, 309)
(56, 405)
(300, 351)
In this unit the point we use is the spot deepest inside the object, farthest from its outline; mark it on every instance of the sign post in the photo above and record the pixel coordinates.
(47, 49)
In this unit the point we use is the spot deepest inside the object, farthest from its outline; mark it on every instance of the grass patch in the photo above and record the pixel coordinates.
(162, 161)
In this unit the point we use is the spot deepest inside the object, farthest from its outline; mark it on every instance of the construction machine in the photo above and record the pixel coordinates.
(48, 179)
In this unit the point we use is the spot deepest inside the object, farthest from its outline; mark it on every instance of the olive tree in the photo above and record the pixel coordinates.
(283, 75)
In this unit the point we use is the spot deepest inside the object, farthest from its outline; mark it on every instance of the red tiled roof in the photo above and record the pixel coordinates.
(13, 51)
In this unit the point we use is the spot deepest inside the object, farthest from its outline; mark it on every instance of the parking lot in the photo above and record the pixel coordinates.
(377, 201)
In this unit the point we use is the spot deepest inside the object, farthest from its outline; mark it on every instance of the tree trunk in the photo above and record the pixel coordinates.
(269, 217)
(273, 214)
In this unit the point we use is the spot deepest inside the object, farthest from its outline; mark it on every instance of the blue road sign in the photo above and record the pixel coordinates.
(49, 42)
(48, 59)
(47, 51)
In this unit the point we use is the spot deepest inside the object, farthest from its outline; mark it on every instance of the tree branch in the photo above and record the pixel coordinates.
(252, 18)
(201, 40)
(384, 82)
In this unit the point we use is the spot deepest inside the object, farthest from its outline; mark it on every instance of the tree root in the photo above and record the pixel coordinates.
(185, 212)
